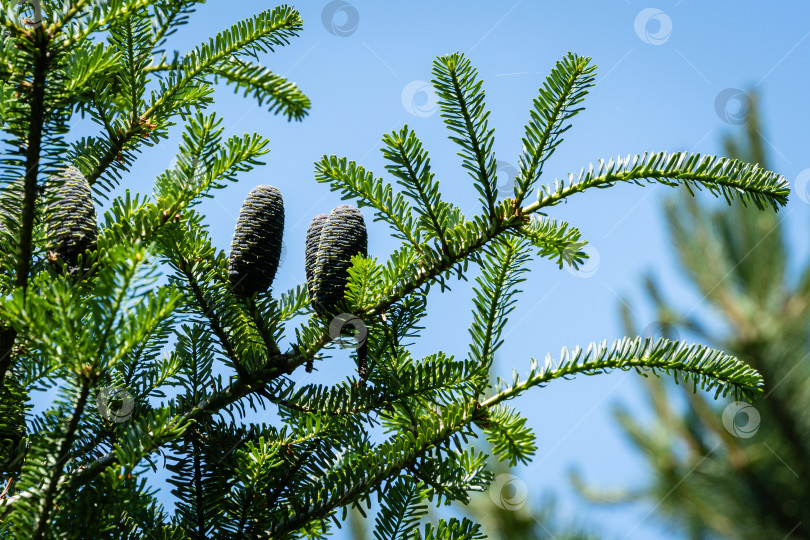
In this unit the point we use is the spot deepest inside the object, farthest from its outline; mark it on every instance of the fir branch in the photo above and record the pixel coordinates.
(502, 266)
(40, 43)
(181, 90)
(354, 181)
(461, 100)
(401, 510)
(564, 89)
(555, 239)
(209, 312)
(410, 164)
(265, 31)
(168, 16)
(706, 368)
(345, 485)
(45, 505)
(264, 85)
(96, 15)
(454, 529)
(720, 176)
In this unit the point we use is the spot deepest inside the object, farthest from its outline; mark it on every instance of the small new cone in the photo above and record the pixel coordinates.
(343, 236)
(71, 220)
(256, 246)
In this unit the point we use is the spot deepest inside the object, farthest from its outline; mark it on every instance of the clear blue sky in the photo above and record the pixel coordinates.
(656, 90)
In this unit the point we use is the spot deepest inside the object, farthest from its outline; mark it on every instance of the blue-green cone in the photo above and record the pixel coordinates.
(71, 219)
(343, 236)
(256, 247)
(313, 238)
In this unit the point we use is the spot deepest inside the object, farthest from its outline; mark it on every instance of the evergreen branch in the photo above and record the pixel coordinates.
(353, 181)
(401, 510)
(564, 89)
(168, 16)
(127, 275)
(282, 95)
(555, 239)
(49, 495)
(36, 123)
(263, 326)
(266, 30)
(431, 378)
(429, 406)
(129, 38)
(263, 32)
(410, 164)
(209, 312)
(707, 368)
(98, 14)
(720, 176)
(510, 438)
(454, 529)
(461, 100)
(288, 362)
(704, 366)
(454, 474)
(502, 266)
(345, 485)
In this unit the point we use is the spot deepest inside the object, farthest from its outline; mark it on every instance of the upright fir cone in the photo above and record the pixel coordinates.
(71, 219)
(343, 235)
(313, 238)
(256, 247)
